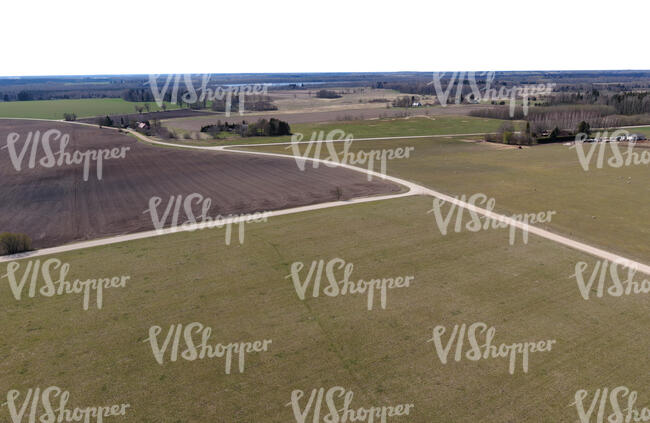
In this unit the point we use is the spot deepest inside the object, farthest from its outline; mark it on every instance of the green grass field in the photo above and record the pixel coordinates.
(606, 207)
(645, 130)
(524, 291)
(86, 107)
(395, 127)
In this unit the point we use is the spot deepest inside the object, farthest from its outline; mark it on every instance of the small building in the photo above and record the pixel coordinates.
(636, 137)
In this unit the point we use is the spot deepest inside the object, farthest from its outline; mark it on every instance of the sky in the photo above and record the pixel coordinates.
(70, 37)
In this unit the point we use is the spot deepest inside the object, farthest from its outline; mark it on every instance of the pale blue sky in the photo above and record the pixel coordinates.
(118, 37)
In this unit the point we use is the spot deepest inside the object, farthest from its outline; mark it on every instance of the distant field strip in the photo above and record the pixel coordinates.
(84, 107)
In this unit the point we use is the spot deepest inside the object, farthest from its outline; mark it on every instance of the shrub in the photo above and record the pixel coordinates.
(404, 101)
(105, 121)
(14, 243)
(327, 94)
(69, 117)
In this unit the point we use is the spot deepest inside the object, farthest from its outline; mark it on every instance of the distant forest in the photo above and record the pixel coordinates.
(135, 87)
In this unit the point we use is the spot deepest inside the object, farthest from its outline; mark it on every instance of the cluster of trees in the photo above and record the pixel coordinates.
(11, 243)
(148, 127)
(543, 120)
(261, 128)
(405, 101)
(142, 94)
(67, 87)
(123, 122)
(269, 128)
(327, 94)
(69, 117)
(29, 95)
(631, 103)
(568, 118)
(622, 103)
(252, 102)
(502, 113)
(222, 127)
(105, 121)
(154, 127)
(146, 107)
(507, 134)
(22, 95)
(421, 88)
(425, 87)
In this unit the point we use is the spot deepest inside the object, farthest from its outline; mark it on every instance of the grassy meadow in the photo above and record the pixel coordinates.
(85, 107)
(389, 127)
(606, 207)
(383, 355)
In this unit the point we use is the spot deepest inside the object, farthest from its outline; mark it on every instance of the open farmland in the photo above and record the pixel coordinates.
(86, 107)
(55, 205)
(382, 355)
(337, 115)
(544, 177)
(168, 114)
(360, 298)
(387, 127)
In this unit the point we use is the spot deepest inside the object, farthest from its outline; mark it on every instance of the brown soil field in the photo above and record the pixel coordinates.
(55, 205)
(168, 114)
(195, 124)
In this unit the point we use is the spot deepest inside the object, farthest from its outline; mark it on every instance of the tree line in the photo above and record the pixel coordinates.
(261, 128)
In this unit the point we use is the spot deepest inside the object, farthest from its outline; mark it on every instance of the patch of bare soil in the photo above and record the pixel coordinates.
(55, 205)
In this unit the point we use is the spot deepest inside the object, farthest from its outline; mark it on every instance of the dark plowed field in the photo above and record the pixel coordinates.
(169, 114)
(55, 205)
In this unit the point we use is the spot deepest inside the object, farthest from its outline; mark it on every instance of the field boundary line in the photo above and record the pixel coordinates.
(359, 139)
